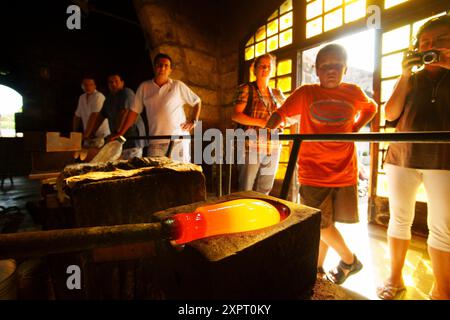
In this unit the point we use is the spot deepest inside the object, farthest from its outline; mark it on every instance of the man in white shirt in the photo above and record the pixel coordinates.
(163, 99)
(90, 101)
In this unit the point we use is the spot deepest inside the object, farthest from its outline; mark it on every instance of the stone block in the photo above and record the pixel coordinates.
(129, 192)
(229, 80)
(278, 262)
(190, 37)
(208, 96)
(229, 62)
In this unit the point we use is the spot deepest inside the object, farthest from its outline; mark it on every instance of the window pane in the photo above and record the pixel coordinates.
(251, 75)
(396, 39)
(260, 33)
(284, 67)
(249, 53)
(355, 11)
(390, 3)
(284, 84)
(333, 20)
(250, 41)
(286, 21)
(285, 153)
(260, 48)
(314, 27)
(281, 171)
(313, 9)
(285, 38)
(391, 65)
(382, 112)
(387, 86)
(285, 7)
(272, 43)
(272, 28)
(11, 103)
(272, 83)
(331, 4)
(273, 15)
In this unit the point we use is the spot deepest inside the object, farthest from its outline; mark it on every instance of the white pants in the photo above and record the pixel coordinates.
(403, 184)
(130, 153)
(180, 151)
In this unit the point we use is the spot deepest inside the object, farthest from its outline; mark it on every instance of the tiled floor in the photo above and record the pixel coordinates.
(368, 241)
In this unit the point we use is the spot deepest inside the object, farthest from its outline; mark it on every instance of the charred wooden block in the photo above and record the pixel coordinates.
(115, 193)
(129, 191)
(278, 262)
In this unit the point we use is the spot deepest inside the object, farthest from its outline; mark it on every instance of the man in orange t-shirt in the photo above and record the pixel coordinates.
(328, 171)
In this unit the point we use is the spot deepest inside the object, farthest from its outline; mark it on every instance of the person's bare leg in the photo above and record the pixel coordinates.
(333, 238)
(397, 250)
(323, 249)
(440, 260)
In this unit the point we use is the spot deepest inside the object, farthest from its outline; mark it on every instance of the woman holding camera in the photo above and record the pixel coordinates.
(421, 102)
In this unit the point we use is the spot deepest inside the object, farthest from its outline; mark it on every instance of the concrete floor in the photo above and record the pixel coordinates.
(15, 196)
(366, 240)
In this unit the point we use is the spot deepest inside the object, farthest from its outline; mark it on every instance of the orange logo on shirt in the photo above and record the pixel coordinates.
(332, 112)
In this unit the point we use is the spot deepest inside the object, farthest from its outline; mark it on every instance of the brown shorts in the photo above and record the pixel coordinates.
(338, 204)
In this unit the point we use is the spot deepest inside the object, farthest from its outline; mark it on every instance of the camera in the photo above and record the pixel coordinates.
(426, 57)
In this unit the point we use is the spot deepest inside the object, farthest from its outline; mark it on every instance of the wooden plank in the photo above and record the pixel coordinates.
(56, 143)
(43, 175)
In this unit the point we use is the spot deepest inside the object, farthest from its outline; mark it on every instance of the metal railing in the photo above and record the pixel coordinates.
(416, 137)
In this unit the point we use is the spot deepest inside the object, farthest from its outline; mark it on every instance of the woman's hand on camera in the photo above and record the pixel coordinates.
(444, 58)
(409, 61)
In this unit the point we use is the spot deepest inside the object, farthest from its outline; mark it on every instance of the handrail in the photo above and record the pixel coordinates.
(417, 137)
(414, 137)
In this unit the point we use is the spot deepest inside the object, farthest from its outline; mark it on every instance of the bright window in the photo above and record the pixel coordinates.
(11, 103)
(333, 20)
(322, 16)
(275, 34)
(391, 3)
(355, 10)
(284, 67)
(397, 39)
(272, 43)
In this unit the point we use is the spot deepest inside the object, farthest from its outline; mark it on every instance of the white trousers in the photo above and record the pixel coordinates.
(403, 184)
(130, 153)
(180, 151)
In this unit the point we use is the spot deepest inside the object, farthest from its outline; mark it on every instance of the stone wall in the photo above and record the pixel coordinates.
(174, 28)
(203, 39)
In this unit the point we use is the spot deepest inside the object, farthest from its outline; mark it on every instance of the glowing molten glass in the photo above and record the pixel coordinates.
(221, 218)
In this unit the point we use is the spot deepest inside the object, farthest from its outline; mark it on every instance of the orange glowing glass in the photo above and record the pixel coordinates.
(223, 218)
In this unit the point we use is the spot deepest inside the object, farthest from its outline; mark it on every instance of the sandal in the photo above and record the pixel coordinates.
(338, 275)
(388, 292)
